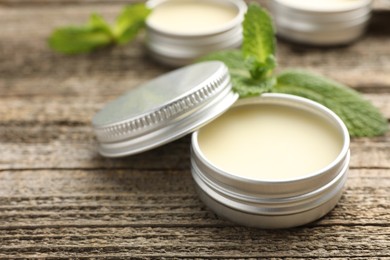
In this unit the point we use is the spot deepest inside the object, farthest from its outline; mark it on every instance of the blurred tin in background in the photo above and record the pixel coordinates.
(321, 22)
(180, 31)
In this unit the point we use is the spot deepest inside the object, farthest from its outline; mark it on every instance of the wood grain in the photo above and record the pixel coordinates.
(60, 199)
(59, 155)
(157, 213)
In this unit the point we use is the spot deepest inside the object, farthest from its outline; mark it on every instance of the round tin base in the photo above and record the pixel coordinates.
(274, 203)
(273, 221)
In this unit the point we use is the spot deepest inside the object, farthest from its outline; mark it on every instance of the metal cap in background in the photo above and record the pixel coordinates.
(163, 109)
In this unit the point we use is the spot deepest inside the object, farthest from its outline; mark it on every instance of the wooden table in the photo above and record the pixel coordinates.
(59, 198)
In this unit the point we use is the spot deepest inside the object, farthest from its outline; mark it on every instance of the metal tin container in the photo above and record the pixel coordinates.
(184, 100)
(273, 203)
(325, 25)
(163, 109)
(181, 48)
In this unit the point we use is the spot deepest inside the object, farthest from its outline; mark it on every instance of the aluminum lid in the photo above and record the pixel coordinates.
(163, 109)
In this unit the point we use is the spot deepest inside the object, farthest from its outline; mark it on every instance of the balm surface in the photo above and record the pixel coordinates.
(270, 142)
(191, 16)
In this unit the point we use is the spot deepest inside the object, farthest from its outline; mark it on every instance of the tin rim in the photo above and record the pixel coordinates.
(277, 206)
(326, 38)
(269, 221)
(310, 17)
(305, 27)
(291, 98)
(350, 7)
(236, 21)
(190, 52)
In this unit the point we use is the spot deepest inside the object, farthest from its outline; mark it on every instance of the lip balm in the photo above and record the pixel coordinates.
(270, 142)
(180, 31)
(274, 161)
(321, 22)
(190, 16)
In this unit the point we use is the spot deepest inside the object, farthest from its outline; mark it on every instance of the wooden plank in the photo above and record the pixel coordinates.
(149, 213)
(68, 155)
(152, 198)
(23, 3)
(35, 70)
(56, 133)
(85, 156)
(228, 242)
(59, 198)
(78, 111)
(378, 5)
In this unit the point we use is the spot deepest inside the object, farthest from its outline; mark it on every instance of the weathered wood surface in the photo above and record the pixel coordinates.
(59, 198)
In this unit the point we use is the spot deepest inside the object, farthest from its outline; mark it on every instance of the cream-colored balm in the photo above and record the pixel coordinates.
(191, 16)
(270, 142)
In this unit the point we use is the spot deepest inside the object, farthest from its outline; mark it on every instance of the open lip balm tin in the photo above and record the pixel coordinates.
(180, 31)
(181, 102)
(272, 196)
(321, 22)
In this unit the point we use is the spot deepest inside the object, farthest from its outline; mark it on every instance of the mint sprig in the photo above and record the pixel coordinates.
(98, 33)
(241, 78)
(361, 118)
(258, 47)
(129, 22)
(251, 73)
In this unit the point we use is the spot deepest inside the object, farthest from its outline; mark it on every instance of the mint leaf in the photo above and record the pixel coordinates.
(251, 68)
(232, 58)
(260, 70)
(83, 39)
(258, 45)
(247, 87)
(242, 82)
(129, 22)
(97, 22)
(359, 115)
(259, 38)
(97, 33)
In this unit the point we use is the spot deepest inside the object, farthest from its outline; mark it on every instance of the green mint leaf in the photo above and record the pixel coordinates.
(259, 36)
(247, 87)
(98, 33)
(130, 22)
(97, 22)
(260, 70)
(258, 45)
(82, 39)
(242, 82)
(232, 58)
(359, 115)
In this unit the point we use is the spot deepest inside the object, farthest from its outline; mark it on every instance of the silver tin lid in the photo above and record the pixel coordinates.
(163, 109)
